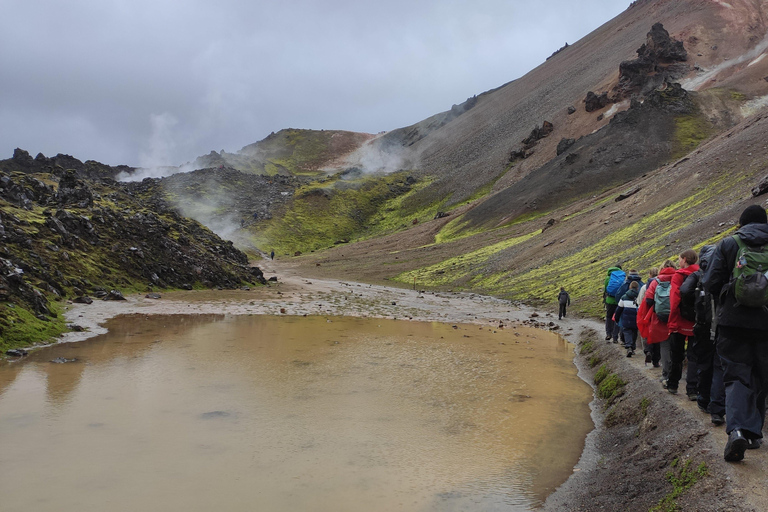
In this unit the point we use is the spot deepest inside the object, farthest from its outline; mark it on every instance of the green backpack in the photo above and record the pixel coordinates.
(750, 283)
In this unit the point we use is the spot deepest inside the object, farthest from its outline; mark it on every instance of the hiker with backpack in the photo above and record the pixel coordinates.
(653, 314)
(631, 277)
(735, 278)
(563, 299)
(680, 324)
(710, 390)
(626, 315)
(613, 280)
(652, 352)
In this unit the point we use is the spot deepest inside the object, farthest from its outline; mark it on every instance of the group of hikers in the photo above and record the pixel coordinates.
(711, 308)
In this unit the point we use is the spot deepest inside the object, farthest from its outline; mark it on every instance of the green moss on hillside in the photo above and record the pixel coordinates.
(459, 267)
(690, 131)
(20, 328)
(335, 210)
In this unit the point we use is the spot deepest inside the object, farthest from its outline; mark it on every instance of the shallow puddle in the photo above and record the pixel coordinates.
(201, 413)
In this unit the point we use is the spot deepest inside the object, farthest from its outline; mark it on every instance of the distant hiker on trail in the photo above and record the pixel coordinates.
(739, 288)
(653, 313)
(613, 280)
(681, 321)
(272, 255)
(564, 300)
(710, 390)
(652, 352)
(626, 316)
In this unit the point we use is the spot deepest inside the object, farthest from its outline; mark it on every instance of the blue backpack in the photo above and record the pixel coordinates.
(615, 282)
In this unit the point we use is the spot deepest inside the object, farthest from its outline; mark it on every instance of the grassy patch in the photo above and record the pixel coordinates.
(682, 477)
(690, 131)
(20, 328)
(587, 347)
(333, 210)
(644, 404)
(455, 268)
(594, 361)
(609, 385)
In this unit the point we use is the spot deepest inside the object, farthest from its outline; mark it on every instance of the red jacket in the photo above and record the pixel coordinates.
(676, 322)
(649, 325)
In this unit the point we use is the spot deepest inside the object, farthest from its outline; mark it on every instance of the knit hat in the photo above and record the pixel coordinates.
(754, 214)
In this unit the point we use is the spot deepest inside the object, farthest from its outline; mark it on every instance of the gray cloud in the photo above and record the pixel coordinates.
(162, 81)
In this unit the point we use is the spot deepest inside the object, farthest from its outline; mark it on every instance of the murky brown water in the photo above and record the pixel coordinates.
(291, 414)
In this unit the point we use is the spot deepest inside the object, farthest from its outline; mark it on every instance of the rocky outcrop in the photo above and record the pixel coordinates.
(65, 235)
(73, 191)
(595, 102)
(564, 144)
(531, 140)
(658, 62)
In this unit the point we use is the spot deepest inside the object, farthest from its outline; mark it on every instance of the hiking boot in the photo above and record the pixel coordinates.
(656, 365)
(608, 338)
(701, 407)
(672, 391)
(664, 383)
(648, 358)
(693, 397)
(754, 444)
(735, 447)
(717, 419)
(629, 352)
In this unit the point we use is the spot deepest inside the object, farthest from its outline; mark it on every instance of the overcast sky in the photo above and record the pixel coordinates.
(154, 82)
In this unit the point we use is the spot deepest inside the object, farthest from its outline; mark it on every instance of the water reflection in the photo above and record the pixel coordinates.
(243, 413)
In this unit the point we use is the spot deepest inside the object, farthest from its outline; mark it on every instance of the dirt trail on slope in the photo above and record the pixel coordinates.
(595, 484)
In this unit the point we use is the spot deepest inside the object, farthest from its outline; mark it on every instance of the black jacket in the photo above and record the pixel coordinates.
(717, 279)
(564, 298)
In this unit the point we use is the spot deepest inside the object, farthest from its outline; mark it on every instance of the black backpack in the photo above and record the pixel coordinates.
(688, 300)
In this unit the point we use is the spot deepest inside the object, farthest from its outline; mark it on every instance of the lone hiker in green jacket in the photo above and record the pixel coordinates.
(613, 280)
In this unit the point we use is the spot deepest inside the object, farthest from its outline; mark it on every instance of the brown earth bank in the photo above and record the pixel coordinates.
(649, 450)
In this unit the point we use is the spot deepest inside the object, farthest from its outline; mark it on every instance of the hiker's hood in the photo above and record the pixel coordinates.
(666, 273)
(613, 269)
(754, 234)
(705, 256)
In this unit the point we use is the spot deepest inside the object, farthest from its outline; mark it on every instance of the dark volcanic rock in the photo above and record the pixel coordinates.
(658, 62)
(594, 102)
(761, 188)
(114, 295)
(564, 144)
(73, 191)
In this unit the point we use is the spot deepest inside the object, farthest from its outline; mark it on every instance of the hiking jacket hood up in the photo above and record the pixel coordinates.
(676, 321)
(717, 280)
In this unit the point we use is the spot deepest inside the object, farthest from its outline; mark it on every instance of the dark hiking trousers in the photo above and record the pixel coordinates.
(704, 348)
(678, 354)
(655, 350)
(561, 314)
(717, 391)
(744, 355)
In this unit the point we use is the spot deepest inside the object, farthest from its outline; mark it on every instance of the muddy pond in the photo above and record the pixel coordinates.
(237, 413)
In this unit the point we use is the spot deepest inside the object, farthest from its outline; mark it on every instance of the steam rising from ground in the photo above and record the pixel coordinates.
(156, 160)
(375, 156)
